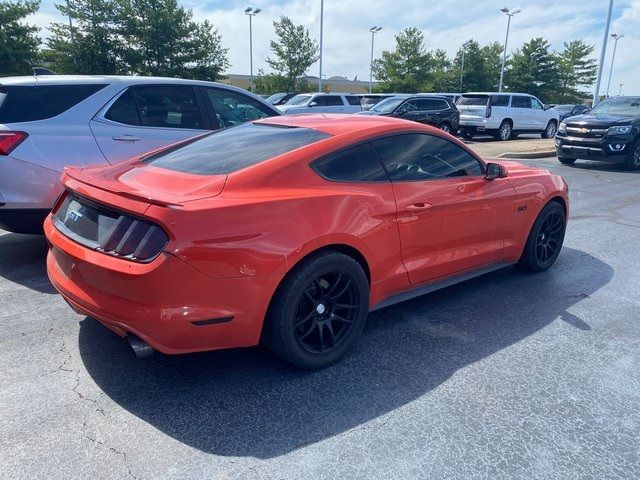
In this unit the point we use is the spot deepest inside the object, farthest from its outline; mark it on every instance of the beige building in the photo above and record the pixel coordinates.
(332, 84)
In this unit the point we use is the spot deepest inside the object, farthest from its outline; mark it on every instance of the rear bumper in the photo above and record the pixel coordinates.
(167, 303)
(606, 149)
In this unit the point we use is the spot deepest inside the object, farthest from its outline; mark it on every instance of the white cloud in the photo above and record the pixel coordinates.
(446, 24)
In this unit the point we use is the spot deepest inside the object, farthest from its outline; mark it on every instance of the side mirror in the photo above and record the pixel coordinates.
(494, 171)
(547, 107)
(313, 104)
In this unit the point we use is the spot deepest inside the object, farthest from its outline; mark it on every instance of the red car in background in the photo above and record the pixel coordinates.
(289, 230)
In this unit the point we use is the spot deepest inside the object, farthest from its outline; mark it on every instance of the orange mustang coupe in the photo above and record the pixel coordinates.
(289, 230)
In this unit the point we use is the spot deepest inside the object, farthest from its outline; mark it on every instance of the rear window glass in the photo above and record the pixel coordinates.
(235, 148)
(480, 101)
(30, 103)
(500, 100)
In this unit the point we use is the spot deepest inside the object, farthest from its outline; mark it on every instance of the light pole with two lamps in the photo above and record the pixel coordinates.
(616, 37)
(251, 12)
(508, 13)
(373, 30)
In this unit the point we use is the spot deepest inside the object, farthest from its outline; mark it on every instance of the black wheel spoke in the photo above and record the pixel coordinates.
(321, 335)
(341, 319)
(344, 306)
(343, 291)
(308, 332)
(335, 285)
(307, 318)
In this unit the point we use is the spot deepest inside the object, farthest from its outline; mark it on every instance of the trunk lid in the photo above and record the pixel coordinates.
(150, 184)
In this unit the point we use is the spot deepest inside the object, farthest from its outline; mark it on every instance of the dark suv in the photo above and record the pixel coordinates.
(440, 112)
(609, 132)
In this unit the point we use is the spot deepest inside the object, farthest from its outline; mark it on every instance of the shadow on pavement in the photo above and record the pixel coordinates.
(248, 403)
(601, 167)
(23, 261)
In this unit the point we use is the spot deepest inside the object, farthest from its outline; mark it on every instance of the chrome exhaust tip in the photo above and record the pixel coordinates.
(140, 348)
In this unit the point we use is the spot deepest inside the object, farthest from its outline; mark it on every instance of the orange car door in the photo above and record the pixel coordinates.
(451, 219)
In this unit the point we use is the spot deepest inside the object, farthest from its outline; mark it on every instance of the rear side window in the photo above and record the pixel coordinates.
(30, 103)
(433, 104)
(415, 157)
(232, 149)
(500, 100)
(328, 101)
(157, 106)
(520, 102)
(355, 164)
(478, 101)
(354, 100)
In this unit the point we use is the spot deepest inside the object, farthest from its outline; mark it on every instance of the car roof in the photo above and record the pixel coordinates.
(98, 79)
(496, 93)
(335, 124)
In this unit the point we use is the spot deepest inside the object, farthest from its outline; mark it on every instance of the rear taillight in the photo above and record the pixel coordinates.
(487, 112)
(10, 140)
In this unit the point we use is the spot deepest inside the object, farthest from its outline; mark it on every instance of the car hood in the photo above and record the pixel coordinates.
(600, 120)
(140, 181)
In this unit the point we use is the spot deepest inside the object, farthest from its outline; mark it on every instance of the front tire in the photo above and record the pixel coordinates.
(319, 311)
(633, 162)
(566, 160)
(545, 239)
(550, 131)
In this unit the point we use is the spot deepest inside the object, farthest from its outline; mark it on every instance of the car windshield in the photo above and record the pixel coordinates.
(387, 105)
(298, 100)
(478, 101)
(276, 97)
(232, 149)
(619, 106)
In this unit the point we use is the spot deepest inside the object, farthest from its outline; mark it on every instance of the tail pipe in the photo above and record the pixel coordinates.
(140, 348)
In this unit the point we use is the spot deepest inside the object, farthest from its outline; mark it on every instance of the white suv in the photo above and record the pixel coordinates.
(505, 115)
(49, 122)
(322, 103)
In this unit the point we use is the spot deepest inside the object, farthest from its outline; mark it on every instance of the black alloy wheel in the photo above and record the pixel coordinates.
(326, 313)
(318, 311)
(545, 238)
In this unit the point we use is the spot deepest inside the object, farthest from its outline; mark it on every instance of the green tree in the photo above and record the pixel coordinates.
(18, 40)
(294, 52)
(162, 39)
(577, 68)
(533, 69)
(442, 76)
(481, 67)
(92, 45)
(405, 69)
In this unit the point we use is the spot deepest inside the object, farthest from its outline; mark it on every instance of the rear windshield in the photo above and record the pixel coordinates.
(30, 103)
(229, 150)
(480, 101)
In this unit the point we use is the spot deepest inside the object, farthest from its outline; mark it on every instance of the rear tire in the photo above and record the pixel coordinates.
(633, 162)
(466, 134)
(504, 131)
(318, 312)
(445, 127)
(566, 160)
(551, 130)
(545, 239)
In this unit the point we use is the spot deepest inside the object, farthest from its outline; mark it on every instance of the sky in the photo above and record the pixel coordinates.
(446, 24)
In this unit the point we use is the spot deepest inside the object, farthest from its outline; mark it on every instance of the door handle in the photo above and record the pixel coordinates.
(418, 207)
(126, 138)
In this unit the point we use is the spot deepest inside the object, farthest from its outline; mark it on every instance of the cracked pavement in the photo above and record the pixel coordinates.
(510, 375)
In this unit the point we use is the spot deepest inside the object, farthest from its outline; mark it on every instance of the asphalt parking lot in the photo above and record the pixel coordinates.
(510, 375)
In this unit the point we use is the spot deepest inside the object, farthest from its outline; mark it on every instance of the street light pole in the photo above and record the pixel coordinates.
(373, 31)
(465, 45)
(251, 12)
(321, 25)
(509, 14)
(596, 92)
(616, 37)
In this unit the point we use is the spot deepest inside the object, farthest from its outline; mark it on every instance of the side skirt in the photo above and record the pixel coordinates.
(439, 284)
